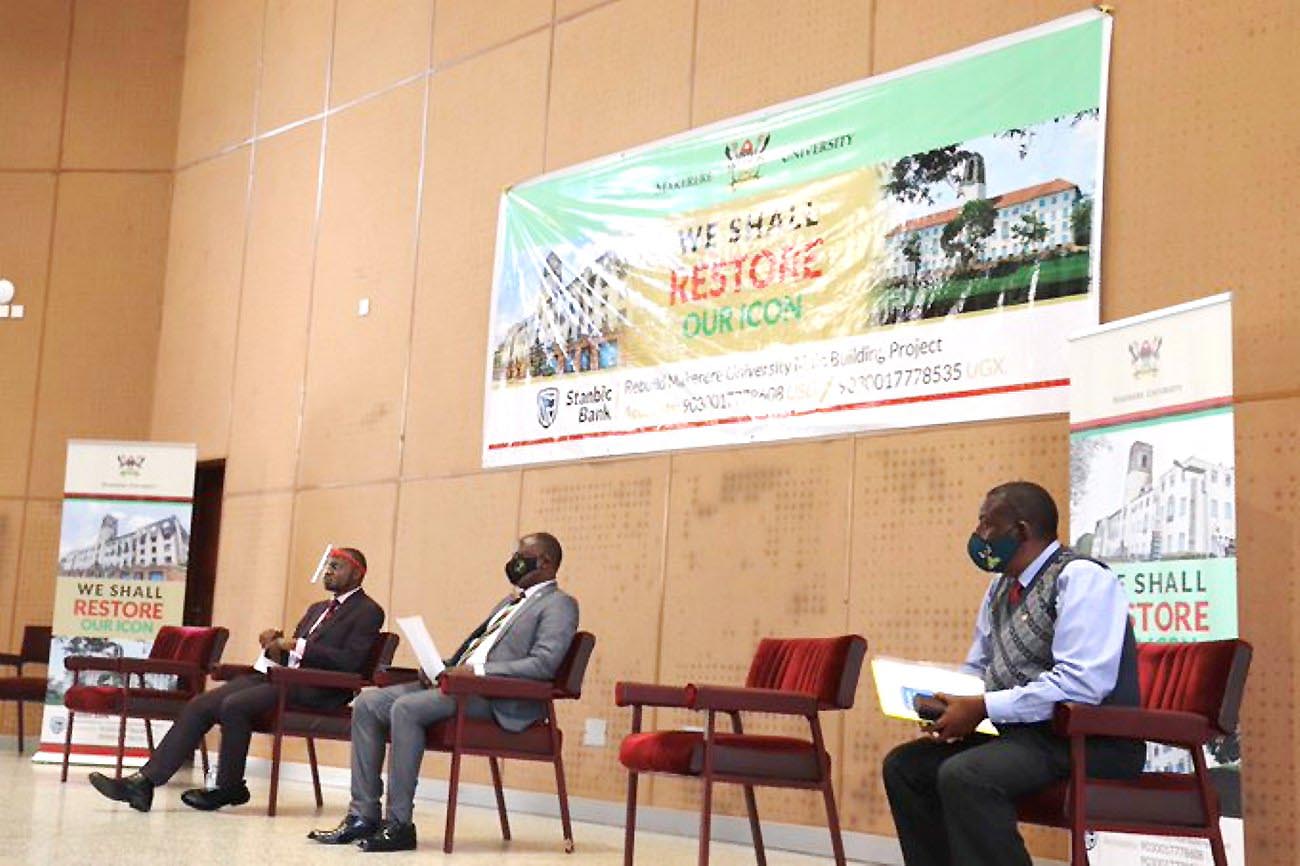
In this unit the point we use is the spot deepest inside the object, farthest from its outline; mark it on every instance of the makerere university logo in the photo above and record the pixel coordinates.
(1145, 357)
(548, 406)
(746, 157)
(129, 465)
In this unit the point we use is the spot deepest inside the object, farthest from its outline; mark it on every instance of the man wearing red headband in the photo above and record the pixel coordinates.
(334, 634)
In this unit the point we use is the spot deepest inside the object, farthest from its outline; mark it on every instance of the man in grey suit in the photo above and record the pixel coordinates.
(526, 635)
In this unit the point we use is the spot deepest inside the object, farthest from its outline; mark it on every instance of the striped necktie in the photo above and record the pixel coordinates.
(493, 627)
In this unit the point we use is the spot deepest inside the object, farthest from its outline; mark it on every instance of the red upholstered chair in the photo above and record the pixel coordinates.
(35, 651)
(310, 723)
(1191, 694)
(543, 741)
(796, 677)
(187, 653)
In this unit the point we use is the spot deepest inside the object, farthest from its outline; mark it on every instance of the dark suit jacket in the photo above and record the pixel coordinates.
(342, 643)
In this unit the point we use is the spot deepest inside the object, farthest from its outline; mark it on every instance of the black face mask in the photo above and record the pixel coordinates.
(518, 567)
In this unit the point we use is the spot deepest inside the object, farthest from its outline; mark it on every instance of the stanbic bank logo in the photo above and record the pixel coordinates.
(9, 310)
(548, 405)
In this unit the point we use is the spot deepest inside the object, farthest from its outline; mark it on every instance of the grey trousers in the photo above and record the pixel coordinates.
(402, 713)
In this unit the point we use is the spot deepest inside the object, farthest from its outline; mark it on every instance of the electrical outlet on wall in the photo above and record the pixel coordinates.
(363, 307)
(593, 732)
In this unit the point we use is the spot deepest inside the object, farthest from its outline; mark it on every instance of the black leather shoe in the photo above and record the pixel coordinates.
(350, 829)
(209, 799)
(394, 836)
(135, 790)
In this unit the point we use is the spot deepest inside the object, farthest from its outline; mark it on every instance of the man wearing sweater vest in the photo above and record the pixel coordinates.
(1053, 627)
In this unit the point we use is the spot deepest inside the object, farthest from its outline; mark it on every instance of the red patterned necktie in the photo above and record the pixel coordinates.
(335, 604)
(1014, 594)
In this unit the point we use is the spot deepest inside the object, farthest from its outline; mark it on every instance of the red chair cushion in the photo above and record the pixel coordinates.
(107, 700)
(487, 735)
(812, 666)
(1152, 798)
(682, 753)
(22, 689)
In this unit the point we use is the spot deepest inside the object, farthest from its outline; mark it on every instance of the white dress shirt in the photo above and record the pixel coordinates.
(264, 662)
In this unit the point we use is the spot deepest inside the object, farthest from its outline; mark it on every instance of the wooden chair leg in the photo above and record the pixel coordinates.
(562, 791)
(203, 752)
(67, 745)
(453, 787)
(276, 743)
(148, 734)
(20, 727)
(833, 822)
(706, 819)
(1217, 851)
(315, 772)
(629, 832)
(501, 797)
(755, 828)
(1079, 847)
(121, 742)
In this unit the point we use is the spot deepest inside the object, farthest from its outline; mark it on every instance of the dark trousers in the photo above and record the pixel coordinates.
(234, 706)
(954, 804)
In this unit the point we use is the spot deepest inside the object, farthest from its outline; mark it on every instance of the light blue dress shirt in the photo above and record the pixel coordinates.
(1091, 615)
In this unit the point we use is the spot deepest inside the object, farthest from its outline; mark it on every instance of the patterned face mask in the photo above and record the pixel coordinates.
(992, 554)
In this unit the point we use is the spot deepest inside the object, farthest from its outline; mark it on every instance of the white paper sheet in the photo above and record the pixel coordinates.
(422, 644)
(899, 681)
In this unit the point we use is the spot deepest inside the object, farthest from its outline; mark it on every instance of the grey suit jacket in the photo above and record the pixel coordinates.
(531, 646)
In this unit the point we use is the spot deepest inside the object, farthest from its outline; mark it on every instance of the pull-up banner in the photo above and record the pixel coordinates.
(123, 554)
(909, 249)
(1153, 482)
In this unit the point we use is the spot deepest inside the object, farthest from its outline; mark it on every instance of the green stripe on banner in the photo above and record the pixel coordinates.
(1150, 422)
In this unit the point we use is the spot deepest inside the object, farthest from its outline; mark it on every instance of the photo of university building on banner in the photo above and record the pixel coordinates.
(123, 554)
(1153, 495)
(906, 250)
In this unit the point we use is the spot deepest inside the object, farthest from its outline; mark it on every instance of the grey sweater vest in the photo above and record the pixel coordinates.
(1022, 637)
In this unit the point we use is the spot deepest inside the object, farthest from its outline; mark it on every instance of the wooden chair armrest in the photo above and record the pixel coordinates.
(733, 699)
(650, 695)
(396, 676)
(316, 678)
(496, 687)
(161, 666)
(12, 659)
(1132, 723)
(231, 671)
(93, 663)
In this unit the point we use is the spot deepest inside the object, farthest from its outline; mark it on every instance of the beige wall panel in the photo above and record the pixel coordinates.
(222, 52)
(494, 107)
(271, 352)
(1184, 79)
(250, 587)
(38, 562)
(295, 61)
(758, 545)
(201, 305)
(362, 517)
(11, 530)
(620, 77)
(103, 308)
(454, 535)
(569, 8)
(356, 366)
(463, 27)
(909, 31)
(377, 43)
(124, 84)
(754, 54)
(33, 66)
(610, 518)
(1268, 558)
(914, 593)
(26, 221)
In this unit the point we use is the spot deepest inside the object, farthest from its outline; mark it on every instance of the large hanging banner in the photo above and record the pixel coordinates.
(123, 554)
(1153, 494)
(909, 249)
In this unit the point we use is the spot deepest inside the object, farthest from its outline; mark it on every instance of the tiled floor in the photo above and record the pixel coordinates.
(43, 822)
